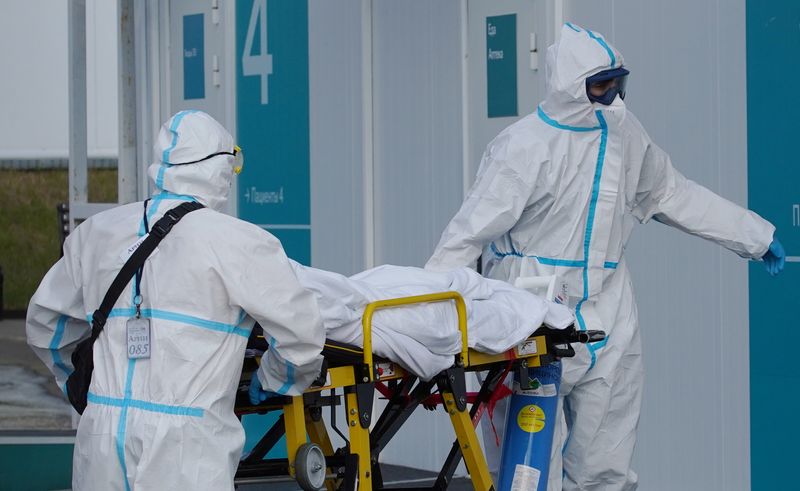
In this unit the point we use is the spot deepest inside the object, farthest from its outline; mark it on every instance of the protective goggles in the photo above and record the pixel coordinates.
(238, 159)
(604, 86)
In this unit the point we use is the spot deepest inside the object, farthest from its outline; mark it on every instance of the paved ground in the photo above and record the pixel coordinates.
(393, 476)
(29, 397)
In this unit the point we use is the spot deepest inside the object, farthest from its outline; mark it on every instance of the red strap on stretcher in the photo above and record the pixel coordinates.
(499, 393)
(384, 390)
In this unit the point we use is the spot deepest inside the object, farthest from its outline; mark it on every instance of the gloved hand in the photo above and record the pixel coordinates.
(257, 393)
(774, 258)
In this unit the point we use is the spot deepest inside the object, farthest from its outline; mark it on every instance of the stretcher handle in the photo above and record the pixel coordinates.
(589, 336)
(369, 310)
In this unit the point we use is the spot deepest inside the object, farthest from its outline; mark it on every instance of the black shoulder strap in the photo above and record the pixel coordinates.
(159, 230)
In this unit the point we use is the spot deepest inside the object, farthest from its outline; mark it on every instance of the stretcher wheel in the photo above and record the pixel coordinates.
(309, 467)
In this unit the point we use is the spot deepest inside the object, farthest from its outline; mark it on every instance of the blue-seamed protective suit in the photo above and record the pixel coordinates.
(167, 421)
(558, 192)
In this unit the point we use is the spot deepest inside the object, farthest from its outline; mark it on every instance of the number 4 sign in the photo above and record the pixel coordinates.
(260, 64)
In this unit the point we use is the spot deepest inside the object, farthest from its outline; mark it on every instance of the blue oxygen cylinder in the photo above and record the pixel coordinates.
(531, 420)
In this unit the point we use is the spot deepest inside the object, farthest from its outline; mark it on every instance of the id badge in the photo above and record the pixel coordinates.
(138, 338)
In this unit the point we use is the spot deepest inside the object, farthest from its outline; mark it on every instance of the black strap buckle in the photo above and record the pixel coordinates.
(173, 217)
(162, 227)
(160, 230)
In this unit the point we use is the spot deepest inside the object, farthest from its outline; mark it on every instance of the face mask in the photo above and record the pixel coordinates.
(614, 112)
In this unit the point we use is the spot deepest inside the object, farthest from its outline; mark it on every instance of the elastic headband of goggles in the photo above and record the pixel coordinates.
(608, 75)
(236, 150)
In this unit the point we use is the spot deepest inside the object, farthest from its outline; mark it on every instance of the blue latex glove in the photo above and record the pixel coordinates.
(257, 393)
(774, 258)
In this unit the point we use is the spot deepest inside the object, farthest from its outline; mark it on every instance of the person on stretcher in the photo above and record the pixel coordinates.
(424, 338)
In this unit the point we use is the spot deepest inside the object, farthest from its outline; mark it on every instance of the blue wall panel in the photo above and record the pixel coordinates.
(773, 69)
(272, 119)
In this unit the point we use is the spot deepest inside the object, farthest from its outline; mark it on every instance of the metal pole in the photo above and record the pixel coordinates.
(367, 133)
(146, 34)
(466, 174)
(127, 162)
(558, 18)
(78, 163)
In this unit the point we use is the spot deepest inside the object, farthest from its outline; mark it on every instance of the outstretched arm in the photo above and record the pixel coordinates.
(665, 194)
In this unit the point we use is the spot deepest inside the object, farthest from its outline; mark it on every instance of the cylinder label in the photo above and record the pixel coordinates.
(525, 478)
(531, 418)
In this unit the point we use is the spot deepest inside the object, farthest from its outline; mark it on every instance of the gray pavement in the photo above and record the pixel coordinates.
(29, 397)
(394, 477)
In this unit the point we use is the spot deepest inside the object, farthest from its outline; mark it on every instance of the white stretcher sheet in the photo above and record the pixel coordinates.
(424, 338)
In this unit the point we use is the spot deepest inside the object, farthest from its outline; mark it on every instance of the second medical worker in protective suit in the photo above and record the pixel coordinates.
(557, 193)
(167, 421)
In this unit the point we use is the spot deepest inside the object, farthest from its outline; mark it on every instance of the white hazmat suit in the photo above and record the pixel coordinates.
(167, 422)
(557, 192)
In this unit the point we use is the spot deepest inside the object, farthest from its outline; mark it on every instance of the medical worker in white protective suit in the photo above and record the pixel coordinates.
(557, 193)
(167, 422)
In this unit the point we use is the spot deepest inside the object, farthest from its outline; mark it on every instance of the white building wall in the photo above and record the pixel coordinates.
(33, 88)
(687, 86)
(336, 135)
(417, 126)
(418, 160)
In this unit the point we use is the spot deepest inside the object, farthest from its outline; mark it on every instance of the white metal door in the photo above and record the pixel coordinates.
(196, 55)
(532, 21)
(200, 69)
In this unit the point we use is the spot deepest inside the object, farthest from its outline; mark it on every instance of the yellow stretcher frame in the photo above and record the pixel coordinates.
(298, 424)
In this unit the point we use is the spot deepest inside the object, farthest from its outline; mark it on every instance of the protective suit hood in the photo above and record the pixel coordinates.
(182, 147)
(579, 53)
